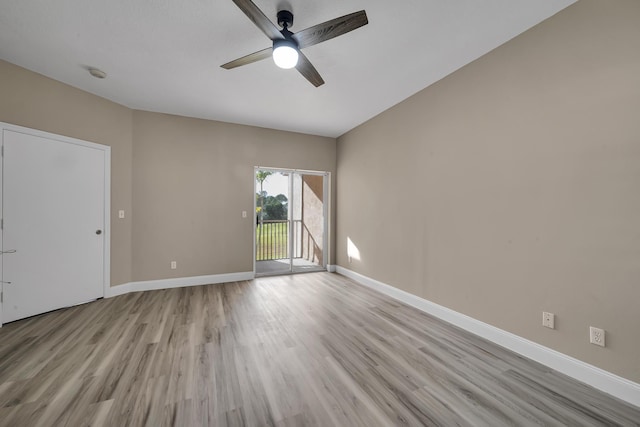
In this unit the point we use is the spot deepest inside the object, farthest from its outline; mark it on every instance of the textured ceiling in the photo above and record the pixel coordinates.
(165, 55)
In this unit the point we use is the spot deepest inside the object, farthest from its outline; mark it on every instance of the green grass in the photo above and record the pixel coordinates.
(272, 241)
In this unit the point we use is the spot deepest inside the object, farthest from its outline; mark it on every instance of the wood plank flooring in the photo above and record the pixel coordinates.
(314, 349)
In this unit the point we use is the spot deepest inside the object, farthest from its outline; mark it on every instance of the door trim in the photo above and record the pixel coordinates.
(106, 273)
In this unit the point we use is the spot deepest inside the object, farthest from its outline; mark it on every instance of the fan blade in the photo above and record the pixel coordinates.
(308, 70)
(330, 29)
(255, 14)
(252, 57)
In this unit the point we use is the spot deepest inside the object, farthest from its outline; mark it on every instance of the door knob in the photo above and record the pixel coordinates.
(98, 231)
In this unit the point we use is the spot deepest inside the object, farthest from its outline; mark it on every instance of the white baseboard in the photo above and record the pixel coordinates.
(331, 268)
(149, 285)
(612, 384)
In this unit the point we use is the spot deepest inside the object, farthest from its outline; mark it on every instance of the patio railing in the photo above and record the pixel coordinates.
(272, 240)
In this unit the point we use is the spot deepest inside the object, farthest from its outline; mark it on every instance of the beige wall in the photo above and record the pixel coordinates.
(32, 100)
(183, 183)
(192, 180)
(512, 187)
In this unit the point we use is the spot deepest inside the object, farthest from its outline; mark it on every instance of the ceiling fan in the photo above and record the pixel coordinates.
(286, 45)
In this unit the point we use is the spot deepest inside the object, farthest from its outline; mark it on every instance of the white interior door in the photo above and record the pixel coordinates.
(53, 211)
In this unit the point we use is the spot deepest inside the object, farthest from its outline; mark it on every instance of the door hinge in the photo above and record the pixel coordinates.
(2, 150)
(2, 224)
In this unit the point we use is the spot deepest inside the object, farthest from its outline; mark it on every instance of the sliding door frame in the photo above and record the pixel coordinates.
(326, 196)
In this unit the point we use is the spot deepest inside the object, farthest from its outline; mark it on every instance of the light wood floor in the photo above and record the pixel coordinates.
(312, 349)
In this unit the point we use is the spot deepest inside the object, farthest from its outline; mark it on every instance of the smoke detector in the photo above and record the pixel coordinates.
(99, 74)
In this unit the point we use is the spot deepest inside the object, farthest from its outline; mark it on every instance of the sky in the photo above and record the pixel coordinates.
(275, 184)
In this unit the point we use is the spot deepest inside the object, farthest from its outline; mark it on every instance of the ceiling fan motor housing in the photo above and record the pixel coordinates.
(285, 18)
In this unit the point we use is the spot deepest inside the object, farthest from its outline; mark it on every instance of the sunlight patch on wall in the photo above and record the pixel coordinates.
(352, 251)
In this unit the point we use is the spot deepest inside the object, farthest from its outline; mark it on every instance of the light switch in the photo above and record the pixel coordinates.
(121, 214)
(244, 214)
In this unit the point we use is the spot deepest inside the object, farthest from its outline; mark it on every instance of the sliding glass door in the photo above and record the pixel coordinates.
(290, 233)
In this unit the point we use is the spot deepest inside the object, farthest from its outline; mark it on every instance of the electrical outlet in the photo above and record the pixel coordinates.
(596, 336)
(548, 320)
(174, 265)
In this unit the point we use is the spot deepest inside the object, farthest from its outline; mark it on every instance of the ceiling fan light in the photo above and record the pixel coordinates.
(285, 54)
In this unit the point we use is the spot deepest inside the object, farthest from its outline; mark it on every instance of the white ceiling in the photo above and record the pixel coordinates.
(165, 55)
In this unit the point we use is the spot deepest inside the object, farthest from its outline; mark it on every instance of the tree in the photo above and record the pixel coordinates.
(275, 211)
(275, 208)
(260, 177)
